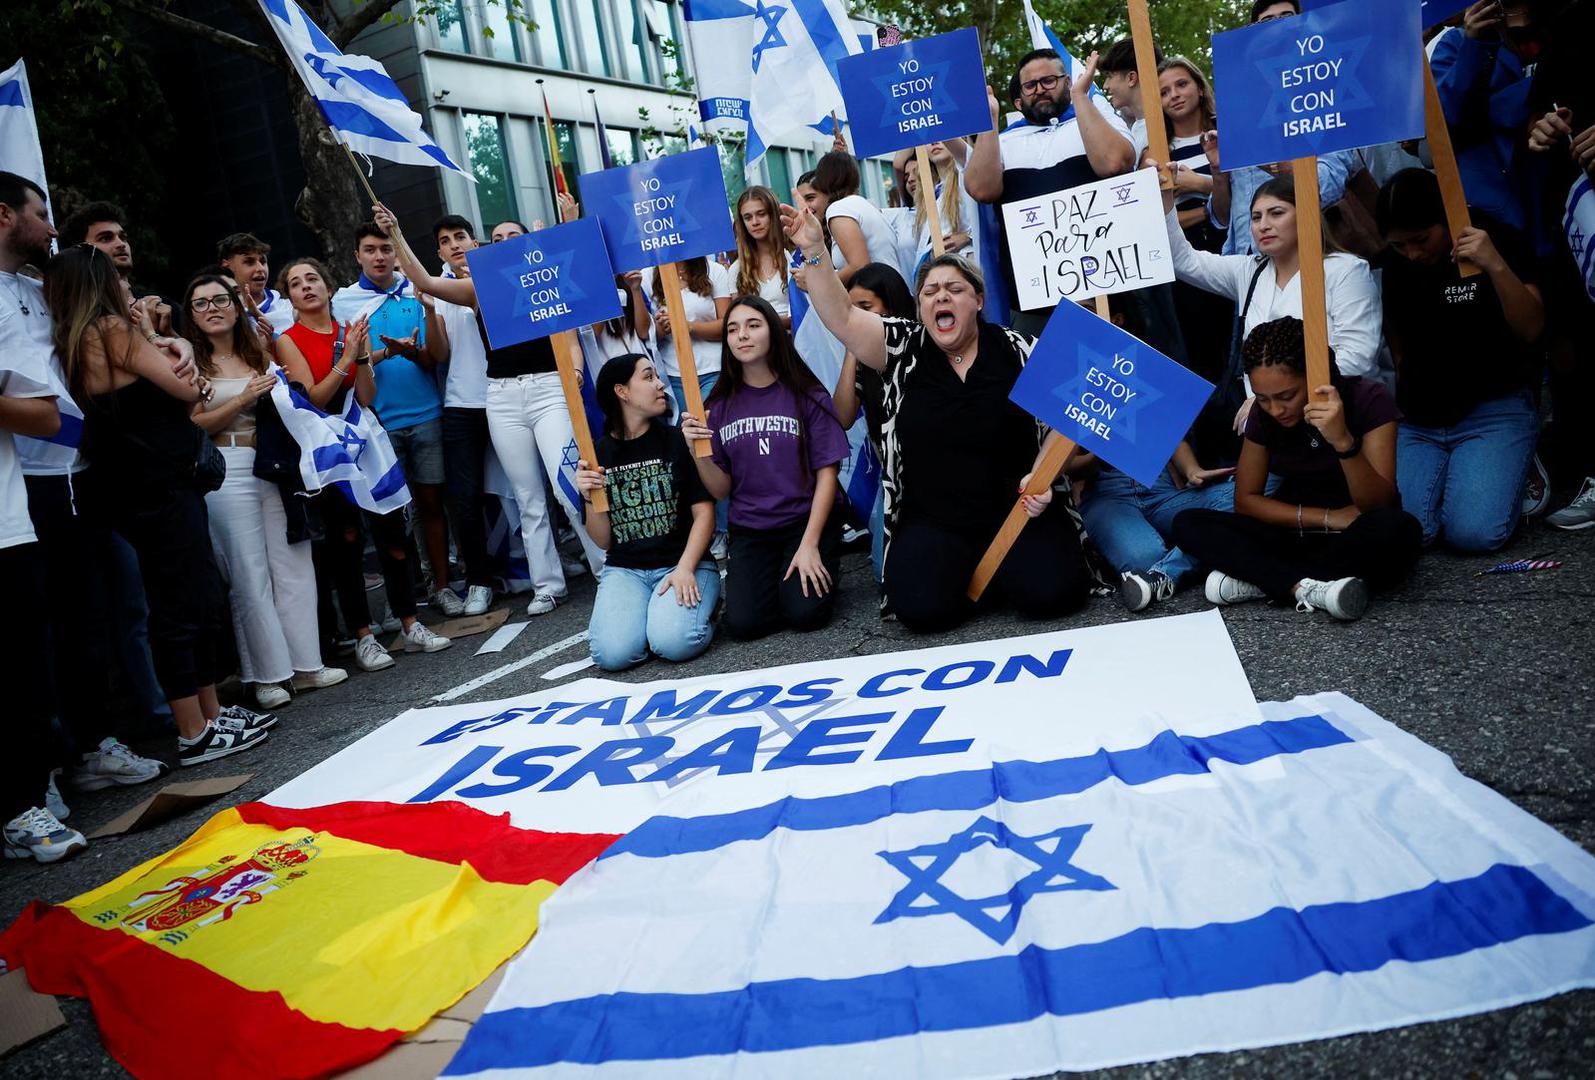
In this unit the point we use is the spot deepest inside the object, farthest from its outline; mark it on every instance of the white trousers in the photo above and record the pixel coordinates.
(531, 432)
(271, 583)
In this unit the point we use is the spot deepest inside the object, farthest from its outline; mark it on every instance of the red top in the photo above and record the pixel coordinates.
(316, 348)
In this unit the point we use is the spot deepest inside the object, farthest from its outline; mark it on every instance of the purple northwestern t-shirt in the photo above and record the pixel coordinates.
(771, 446)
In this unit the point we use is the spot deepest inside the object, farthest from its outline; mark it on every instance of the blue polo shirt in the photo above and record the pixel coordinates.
(407, 394)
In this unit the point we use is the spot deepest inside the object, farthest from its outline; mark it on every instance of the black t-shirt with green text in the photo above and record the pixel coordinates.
(652, 483)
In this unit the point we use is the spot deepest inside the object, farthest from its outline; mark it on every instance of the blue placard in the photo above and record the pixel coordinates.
(915, 93)
(1334, 78)
(661, 211)
(544, 282)
(1110, 392)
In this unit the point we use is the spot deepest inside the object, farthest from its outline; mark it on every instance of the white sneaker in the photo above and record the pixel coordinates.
(572, 566)
(720, 547)
(113, 763)
(52, 797)
(447, 601)
(541, 604)
(1345, 599)
(419, 639)
(370, 655)
(1223, 589)
(478, 599)
(37, 834)
(319, 679)
(217, 741)
(389, 623)
(271, 696)
(238, 718)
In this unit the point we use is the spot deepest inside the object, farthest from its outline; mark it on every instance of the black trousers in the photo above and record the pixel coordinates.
(758, 601)
(465, 443)
(340, 563)
(1381, 547)
(75, 550)
(170, 532)
(30, 745)
(928, 568)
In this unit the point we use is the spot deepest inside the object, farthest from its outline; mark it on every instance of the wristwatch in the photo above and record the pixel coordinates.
(1352, 451)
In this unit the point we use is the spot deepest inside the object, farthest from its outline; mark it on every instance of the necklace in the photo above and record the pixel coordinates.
(16, 298)
(958, 360)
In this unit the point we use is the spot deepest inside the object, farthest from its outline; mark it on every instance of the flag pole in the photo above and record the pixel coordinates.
(364, 182)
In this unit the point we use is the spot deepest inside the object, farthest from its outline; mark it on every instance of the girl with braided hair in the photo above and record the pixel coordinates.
(1334, 528)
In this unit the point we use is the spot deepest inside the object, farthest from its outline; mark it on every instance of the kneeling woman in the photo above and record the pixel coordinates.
(777, 448)
(957, 449)
(658, 586)
(1335, 527)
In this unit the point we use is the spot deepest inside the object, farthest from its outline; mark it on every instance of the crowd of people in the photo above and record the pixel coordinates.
(145, 505)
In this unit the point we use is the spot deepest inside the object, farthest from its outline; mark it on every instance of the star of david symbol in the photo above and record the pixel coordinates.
(1575, 240)
(1122, 195)
(1053, 873)
(352, 444)
(1032, 217)
(327, 71)
(1351, 95)
(1125, 413)
(569, 458)
(564, 282)
(770, 16)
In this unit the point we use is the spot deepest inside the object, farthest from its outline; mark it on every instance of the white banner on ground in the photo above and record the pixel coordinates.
(598, 755)
(1105, 237)
(1152, 887)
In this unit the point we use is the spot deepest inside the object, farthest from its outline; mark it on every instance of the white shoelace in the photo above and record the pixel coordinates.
(36, 820)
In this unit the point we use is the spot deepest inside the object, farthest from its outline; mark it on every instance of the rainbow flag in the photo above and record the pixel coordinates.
(295, 943)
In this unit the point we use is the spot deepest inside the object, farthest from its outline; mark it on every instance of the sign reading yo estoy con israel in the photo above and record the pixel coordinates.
(597, 755)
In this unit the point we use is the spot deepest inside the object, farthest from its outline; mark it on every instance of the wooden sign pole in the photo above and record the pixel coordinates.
(681, 336)
(1310, 250)
(1157, 136)
(566, 351)
(1445, 166)
(1055, 455)
(927, 191)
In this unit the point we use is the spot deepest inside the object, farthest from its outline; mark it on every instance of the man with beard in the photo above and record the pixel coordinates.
(1070, 137)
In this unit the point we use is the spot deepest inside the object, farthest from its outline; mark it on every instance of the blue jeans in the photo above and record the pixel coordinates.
(630, 619)
(1133, 525)
(1465, 482)
(679, 389)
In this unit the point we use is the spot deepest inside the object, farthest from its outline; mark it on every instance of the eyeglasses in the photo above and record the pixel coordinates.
(205, 303)
(1046, 82)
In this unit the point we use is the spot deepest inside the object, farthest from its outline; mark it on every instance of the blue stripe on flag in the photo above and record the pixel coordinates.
(346, 116)
(1166, 755)
(11, 94)
(389, 485)
(822, 31)
(1281, 946)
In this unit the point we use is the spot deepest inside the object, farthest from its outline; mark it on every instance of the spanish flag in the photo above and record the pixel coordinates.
(296, 943)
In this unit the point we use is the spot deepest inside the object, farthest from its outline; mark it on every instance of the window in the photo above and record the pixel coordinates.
(497, 32)
(666, 20)
(664, 144)
(623, 148)
(633, 34)
(547, 34)
(780, 169)
(595, 54)
(451, 26)
(489, 162)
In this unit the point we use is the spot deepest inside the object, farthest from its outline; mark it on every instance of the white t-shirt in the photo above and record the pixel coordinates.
(772, 289)
(699, 308)
(16, 527)
(27, 348)
(465, 385)
(879, 236)
(913, 240)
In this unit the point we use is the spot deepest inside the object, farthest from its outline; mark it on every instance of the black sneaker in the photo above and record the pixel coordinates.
(217, 742)
(238, 718)
(1137, 592)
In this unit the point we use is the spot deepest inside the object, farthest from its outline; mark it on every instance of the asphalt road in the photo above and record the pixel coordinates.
(1495, 671)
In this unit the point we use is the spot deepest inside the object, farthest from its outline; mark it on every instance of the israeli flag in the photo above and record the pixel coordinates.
(362, 104)
(20, 152)
(796, 47)
(721, 32)
(1227, 884)
(350, 452)
(1579, 224)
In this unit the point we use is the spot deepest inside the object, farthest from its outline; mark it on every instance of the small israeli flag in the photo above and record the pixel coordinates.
(20, 152)
(349, 452)
(362, 104)
(796, 47)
